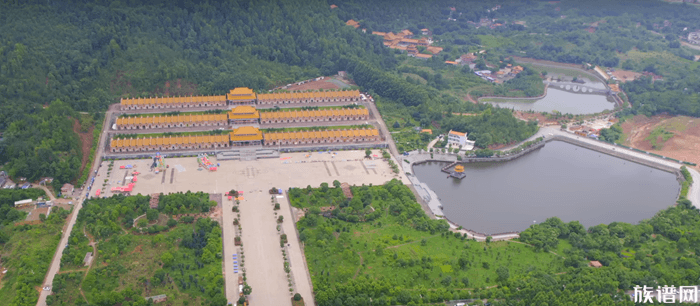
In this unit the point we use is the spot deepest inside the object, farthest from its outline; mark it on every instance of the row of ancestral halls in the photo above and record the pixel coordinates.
(241, 96)
(242, 112)
(240, 115)
(245, 136)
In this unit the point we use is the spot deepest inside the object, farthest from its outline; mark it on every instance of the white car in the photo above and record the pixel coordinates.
(47, 288)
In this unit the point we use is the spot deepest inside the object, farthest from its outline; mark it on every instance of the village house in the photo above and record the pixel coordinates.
(353, 23)
(694, 38)
(67, 189)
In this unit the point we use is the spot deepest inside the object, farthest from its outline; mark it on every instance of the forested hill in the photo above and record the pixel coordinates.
(637, 35)
(87, 54)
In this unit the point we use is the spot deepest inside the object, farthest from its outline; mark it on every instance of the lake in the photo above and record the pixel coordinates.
(560, 179)
(560, 100)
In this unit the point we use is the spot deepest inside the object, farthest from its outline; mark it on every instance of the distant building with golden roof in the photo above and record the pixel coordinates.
(246, 136)
(241, 96)
(243, 114)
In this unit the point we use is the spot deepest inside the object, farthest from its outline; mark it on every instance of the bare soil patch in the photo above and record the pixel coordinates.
(85, 143)
(542, 119)
(137, 249)
(624, 75)
(684, 145)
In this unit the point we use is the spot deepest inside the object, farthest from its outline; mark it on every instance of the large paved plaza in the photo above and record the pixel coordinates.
(263, 255)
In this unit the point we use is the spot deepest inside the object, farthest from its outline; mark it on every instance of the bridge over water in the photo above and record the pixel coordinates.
(577, 88)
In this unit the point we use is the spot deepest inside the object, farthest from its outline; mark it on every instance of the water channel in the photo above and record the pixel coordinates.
(560, 100)
(561, 180)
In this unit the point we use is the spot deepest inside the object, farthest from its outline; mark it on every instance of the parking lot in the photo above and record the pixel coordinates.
(263, 256)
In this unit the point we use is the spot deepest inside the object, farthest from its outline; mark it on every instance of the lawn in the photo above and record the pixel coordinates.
(398, 246)
(26, 255)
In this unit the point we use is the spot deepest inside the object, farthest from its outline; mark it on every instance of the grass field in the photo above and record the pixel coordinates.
(489, 41)
(26, 255)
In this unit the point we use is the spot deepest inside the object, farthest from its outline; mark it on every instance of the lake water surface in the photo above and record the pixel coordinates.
(561, 180)
(560, 100)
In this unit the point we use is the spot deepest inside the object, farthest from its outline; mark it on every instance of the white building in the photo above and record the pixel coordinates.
(458, 139)
(23, 202)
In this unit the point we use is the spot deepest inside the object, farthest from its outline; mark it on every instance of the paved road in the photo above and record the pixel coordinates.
(229, 248)
(56, 262)
(384, 129)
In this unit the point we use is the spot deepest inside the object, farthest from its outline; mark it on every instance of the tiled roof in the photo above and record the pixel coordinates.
(241, 93)
(158, 141)
(246, 133)
(327, 134)
(199, 118)
(244, 112)
(324, 113)
(310, 95)
(172, 100)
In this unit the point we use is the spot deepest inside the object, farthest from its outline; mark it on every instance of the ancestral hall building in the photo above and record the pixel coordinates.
(169, 143)
(171, 121)
(343, 114)
(241, 96)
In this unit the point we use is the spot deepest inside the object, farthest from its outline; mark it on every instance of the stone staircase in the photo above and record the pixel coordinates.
(251, 153)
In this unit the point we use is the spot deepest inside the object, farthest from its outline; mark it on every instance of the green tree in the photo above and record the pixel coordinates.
(152, 215)
(247, 289)
(503, 273)
(368, 153)
(167, 259)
